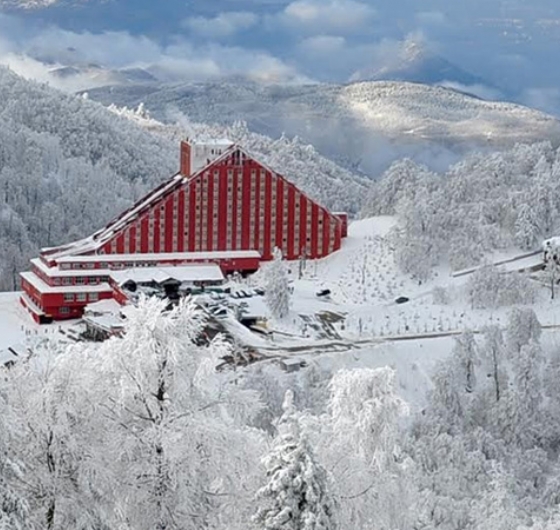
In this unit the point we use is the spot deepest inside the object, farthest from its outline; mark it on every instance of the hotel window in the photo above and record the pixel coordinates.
(66, 281)
(80, 280)
(81, 297)
(68, 297)
(93, 297)
(64, 310)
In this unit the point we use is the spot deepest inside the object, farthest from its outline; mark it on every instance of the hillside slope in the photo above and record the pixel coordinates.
(366, 125)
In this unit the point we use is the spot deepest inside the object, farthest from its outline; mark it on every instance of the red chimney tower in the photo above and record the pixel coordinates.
(185, 159)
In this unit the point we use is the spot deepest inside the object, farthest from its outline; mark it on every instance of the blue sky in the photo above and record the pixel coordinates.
(511, 44)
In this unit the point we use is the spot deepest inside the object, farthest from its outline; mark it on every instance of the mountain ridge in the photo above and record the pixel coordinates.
(364, 125)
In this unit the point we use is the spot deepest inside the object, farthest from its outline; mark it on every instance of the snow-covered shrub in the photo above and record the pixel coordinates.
(491, 287)
(440, 295)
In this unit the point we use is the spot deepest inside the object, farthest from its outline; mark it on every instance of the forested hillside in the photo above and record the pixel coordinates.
(482, 204)
(366, 125)
(66, 166)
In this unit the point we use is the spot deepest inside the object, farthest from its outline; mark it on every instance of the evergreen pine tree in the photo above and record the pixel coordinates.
(296, 495)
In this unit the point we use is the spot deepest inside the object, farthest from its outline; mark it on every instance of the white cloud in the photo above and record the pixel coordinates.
(323, 44)
(180, 60)
(223, 25)
(431, 18)
(113, 48)
(328, 16)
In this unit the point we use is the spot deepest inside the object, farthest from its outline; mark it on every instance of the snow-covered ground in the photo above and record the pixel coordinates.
(373, 329)
(18, 330)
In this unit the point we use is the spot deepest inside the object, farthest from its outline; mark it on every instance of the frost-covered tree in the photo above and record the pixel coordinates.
(364, 410)
(360, 442)
(296, 496)
(493, 353)
(174, 429)
(528, 233)
(277, 287)
(552, 264)
(57, 475)
(523, 326)
(399, 182)
(14, 511)
(492, 287)
(497, 508)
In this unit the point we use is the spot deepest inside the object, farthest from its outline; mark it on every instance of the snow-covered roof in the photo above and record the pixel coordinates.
(107, 323)
(187, 273)
(57, 272)
(293, 361)
(99, 238)
(157, 257)
(44, 288)
(109, 306)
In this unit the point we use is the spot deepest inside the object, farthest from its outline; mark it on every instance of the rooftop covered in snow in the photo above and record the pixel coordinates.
(163, 256)
(184, 274)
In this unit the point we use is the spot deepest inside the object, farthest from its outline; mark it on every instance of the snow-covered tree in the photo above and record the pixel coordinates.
(527, 231)
(14, 510)
(175, 431)
(55, 471)
(360, 442)
(523, 326)
(296, 496)
(277, 287)
(552, 264)
(364, 410)
(492, 352)
(482, 203)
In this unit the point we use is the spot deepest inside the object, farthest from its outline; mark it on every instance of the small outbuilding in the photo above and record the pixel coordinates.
(292, 364)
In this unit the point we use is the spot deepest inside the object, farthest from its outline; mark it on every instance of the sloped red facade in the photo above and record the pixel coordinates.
(235, 203)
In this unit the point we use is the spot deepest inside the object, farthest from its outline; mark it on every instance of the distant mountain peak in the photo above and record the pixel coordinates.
(413, 49)
(413, 60)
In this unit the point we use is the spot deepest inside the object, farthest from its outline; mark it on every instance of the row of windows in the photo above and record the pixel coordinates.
(68, 266)
(80, 280)
(81, 297)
